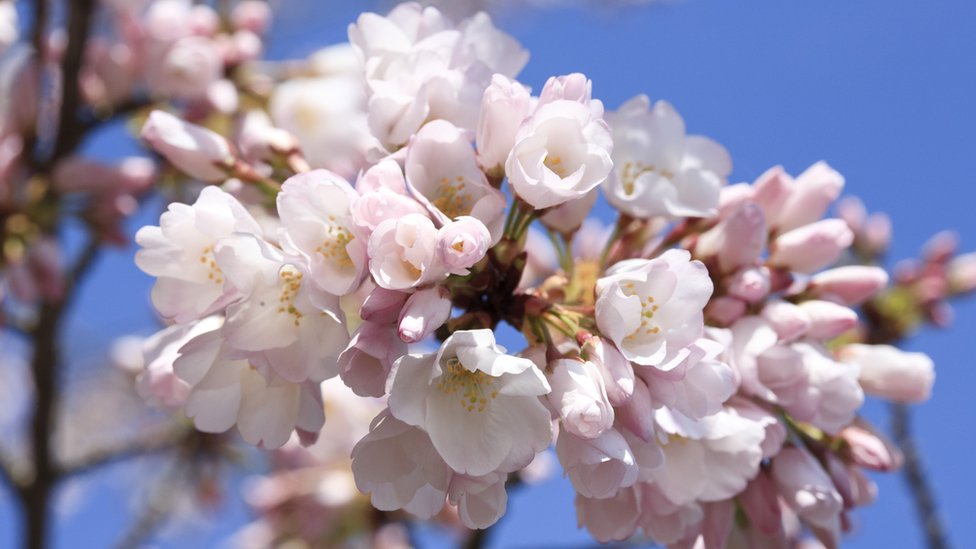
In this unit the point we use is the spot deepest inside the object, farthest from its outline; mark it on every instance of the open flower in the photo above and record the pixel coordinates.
(180, 254)
(561, 153)
(316, 221)
(651, 309)
(658, 170)
(479, 405)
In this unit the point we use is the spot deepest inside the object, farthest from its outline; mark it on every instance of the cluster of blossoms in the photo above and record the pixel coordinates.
(698, 366)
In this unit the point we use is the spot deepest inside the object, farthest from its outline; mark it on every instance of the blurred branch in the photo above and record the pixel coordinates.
(163, 441)
(69, 129)
(161, 499)
(915, 477)
(46, 367)
(40, 24)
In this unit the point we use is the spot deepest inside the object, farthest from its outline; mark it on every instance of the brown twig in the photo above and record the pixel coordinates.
(162, 442)
(914, 475)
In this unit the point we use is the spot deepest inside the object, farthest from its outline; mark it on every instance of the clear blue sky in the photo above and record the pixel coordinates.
(881, 90)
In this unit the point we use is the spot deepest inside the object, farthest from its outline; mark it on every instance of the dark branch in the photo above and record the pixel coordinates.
(162, 442)
(46, 369)
(915, 477)
(69, 130)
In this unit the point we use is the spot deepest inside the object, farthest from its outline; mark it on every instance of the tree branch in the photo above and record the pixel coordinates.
(163, 441)
(915, 477)
(46, 367)
(69, 129)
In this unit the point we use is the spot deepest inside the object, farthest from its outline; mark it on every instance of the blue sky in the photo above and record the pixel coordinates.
(883, 91)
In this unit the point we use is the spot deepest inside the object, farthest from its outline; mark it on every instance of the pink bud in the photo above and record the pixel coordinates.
(637, 414)
(260, 140)
(504, 105)
(789, 321)
(618, 373)
(462, 243)
(811, 247)
(813, 192)
(870, 449)
(890, 373)
(962, 273)
(760, 502)
(941, 247)
(253, 15)
(733, 197)
(725, 310)
(807, 488)
(852, 284)
(580, 398)
(203, 20)
(571, 87)
(771, 190)
(386, 174)
(852, 211)
(877, 233)
(194, 150)
(568, 216)
(424, 312)
(750, 285)
(737, 241)
(382, 305)
(246, 46)
(827, 319)
(366, 362)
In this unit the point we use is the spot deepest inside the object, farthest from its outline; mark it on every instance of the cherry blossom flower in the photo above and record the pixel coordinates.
(479, 405)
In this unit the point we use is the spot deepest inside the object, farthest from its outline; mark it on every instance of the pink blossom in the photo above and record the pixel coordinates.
(196, 151)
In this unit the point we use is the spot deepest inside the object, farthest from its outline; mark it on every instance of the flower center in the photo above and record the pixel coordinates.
(210, 263)
(632, 170)
(337, 237)
(473, 389)
(291, 281)
(555, 165)
(648, 308)
(451, 199)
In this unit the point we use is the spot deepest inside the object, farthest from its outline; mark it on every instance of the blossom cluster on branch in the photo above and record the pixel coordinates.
(354, 229)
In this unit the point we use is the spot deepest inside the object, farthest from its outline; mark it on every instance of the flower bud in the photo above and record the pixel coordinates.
(382, 305)
(870, 449)
(194, 150)
(827, 320)
(852, 284)
(462, 243)
(424, 312)
(637, 415)
(365, 364)
(260, 140)
(890, 373)
(580, 398)
(807, 488)
(568, 216)
(725, 310)
(771, 189)
(750, 285)
(617, 372)
(571, 87)
(504, 105)
(962, 273)
(252, 15)
(813, 192)
(789, 320)
(737, 241)
(599, 467)
(760, 503)
(811, 247)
